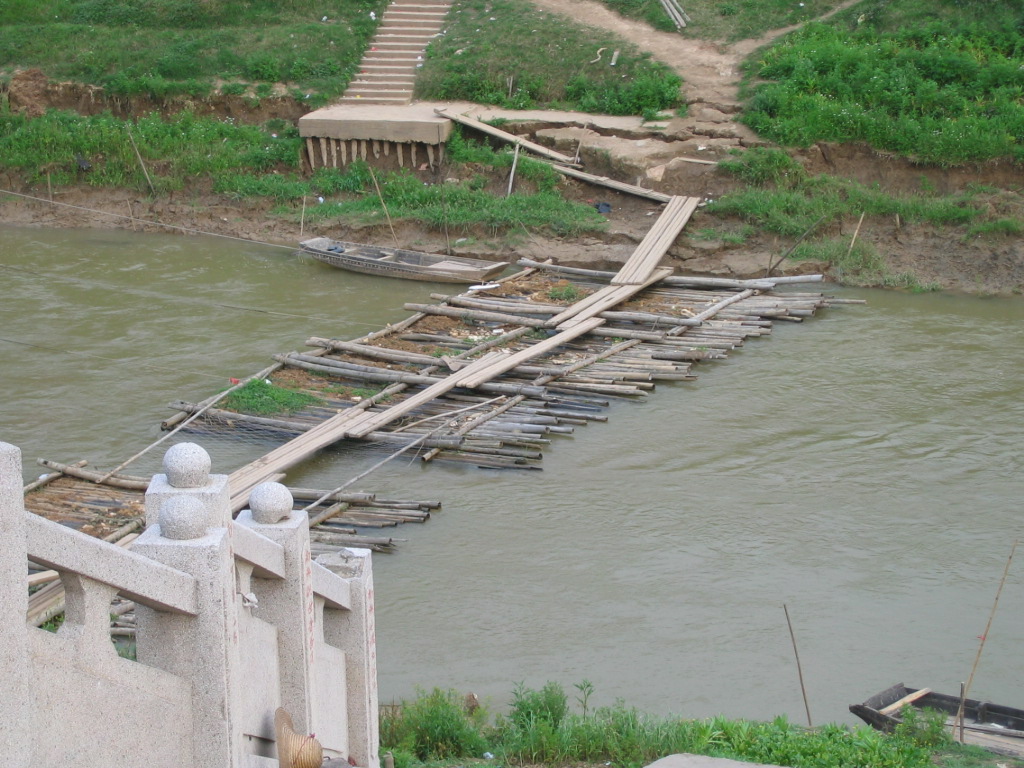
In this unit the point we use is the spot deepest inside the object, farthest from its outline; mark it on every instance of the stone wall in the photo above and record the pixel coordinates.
(234, 620)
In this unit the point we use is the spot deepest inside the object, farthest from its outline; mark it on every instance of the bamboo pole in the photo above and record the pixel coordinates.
(142, 164)
(383, 205)
(512, 175)
(984, 637)
(799, 669)
(855, 233)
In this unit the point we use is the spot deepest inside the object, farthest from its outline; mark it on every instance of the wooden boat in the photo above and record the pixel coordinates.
(992, 726)
(397, 262)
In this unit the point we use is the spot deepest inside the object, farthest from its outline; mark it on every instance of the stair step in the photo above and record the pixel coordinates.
(356, 85)
(372, 99)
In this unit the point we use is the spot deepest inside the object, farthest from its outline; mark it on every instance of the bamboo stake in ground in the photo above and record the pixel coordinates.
(799, 669)
(512, 175)
(141, 163)
(383, 205)
(302, 217)
(854, 238)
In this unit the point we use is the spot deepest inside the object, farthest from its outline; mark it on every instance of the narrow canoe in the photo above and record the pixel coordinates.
(992, 726)
(398, 262)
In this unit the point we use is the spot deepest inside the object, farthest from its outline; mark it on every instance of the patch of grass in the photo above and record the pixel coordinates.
(507, 53)
(164, 48)
(787, 201)
(996, 228)
(939, 92)
(462, 207)
(564, 291)
(258, 398)
(175, 150)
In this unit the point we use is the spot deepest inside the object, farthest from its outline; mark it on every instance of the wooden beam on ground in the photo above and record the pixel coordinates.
(618, 186)
(497, 133)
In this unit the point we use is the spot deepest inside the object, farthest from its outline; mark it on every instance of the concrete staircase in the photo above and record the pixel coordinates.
(388, 69)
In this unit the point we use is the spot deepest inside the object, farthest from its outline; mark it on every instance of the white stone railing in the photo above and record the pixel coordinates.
(233, 620)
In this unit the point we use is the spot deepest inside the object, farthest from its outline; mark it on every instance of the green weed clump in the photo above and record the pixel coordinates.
(506, 53)
(540, 729)
(258, 398)
(929, 92)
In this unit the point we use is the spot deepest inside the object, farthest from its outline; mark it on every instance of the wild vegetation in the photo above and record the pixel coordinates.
(781, 197)
(540, 729)
(727, 20)
(943, 84)
(163, 48)
(507, 53)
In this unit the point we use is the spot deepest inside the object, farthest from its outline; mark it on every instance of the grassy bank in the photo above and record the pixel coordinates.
(941, 82)
(727, 20)
(239, 162)
(507, 53)
(541, 729)
(782, 198)
(163, 48)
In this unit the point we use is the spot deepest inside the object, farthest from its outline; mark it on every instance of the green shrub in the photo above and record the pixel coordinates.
(549, 705)
(435, 727)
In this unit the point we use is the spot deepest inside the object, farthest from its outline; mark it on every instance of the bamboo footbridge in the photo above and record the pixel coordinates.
(488, 378)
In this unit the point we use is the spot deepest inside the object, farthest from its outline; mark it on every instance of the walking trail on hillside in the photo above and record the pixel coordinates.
(710, 70)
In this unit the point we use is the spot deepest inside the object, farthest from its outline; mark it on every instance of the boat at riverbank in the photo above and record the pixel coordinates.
(399, 262)
(992, 726)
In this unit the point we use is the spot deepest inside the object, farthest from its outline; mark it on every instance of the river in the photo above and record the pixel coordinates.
(862, 469)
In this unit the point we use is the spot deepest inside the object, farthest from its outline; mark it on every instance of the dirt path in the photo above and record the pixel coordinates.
(709, 70)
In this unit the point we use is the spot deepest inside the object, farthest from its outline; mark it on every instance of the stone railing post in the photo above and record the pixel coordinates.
(15, 737)
(191, 510)
(286, 603)
(354, 632)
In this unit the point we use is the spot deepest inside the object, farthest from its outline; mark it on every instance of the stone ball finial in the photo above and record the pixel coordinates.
(187, 465)
(182, 518)
(270, 503)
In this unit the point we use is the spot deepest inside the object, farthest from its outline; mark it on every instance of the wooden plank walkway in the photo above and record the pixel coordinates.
(639, 267)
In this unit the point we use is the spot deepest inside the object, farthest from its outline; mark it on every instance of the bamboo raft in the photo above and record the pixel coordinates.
(490, 377)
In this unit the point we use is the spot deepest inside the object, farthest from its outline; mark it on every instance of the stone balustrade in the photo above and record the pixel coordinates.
(234, 620)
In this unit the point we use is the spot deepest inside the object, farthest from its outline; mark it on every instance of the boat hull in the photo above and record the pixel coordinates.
(992, 726)
(401, 263)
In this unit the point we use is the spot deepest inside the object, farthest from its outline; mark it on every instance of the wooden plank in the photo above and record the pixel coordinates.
(910, 698)
(604, 299)
(618, 186)
(536, 350)
(497, 133)
(657, 241)
(370, 422)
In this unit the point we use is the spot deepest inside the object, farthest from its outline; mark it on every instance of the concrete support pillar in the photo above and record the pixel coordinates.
(15, 740)
(354, 632)
(202, 649)
(287, 603)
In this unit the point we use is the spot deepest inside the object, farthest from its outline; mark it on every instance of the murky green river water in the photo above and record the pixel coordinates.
(863, 468)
